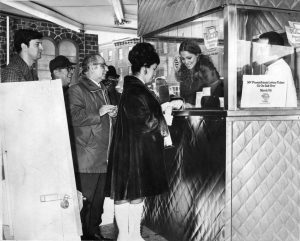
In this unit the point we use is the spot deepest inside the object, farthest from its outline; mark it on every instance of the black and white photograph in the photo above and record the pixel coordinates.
(150, 120)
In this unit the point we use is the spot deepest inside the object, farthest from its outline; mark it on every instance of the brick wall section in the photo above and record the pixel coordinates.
(87, 43)
(2, 40)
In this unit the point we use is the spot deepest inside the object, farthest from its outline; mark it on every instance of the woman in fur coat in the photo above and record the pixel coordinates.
(136, 164)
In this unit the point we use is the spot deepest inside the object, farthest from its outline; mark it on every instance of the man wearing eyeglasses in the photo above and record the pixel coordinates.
(91, 116)
(62, 68)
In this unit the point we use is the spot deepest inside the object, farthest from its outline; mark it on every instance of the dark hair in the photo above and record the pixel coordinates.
(273, 37)
(87, 61)
(203, 66)
(190, 46)
(142, 54)
(205, 60)
(24, 36)
(112, 72)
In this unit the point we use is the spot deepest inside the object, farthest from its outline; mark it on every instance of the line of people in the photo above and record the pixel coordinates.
(116, 152)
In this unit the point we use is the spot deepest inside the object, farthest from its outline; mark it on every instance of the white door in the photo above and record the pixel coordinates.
(38, 165)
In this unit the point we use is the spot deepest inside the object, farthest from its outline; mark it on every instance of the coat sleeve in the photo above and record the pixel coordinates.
(138, 112)
(77, 111)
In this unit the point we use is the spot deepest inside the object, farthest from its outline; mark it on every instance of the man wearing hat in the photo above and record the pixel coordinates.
(110, 82)
(62, 68)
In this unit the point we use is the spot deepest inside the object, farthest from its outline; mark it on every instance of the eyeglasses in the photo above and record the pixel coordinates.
(103, 65)
(70, 68)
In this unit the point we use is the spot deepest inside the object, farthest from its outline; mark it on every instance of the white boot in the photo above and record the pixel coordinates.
(136, 211)
(121, 215)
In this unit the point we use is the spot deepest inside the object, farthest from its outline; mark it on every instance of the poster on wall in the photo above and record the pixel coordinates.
(263, 91)
(211, 40)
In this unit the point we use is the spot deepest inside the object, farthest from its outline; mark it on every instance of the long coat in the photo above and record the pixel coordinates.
(90, 133)
(136, 162)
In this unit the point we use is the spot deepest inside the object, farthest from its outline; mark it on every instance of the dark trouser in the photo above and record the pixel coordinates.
(92, 187)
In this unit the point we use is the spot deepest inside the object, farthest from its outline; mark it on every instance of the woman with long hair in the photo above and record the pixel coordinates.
(194, 70)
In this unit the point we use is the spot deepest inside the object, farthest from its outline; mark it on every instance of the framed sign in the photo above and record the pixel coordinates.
(211, 38)
(263, 91)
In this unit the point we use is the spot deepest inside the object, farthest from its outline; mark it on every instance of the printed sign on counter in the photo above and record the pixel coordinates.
(263, 91)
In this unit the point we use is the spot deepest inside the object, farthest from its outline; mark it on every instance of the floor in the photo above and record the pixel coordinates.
(110, 231)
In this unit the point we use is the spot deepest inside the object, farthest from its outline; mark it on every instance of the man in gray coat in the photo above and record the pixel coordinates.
(91, 116)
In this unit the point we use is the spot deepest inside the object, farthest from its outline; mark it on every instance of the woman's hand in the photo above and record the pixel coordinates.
(177, 63)
(177, 104)
(188, 105)
(165, 106)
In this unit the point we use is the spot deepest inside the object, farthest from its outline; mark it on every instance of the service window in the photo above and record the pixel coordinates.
(191, 61)
(268, 53)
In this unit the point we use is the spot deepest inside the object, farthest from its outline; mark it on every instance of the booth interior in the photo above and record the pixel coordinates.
(233, 169)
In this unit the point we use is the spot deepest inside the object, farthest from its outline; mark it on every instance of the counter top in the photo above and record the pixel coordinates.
(200, 112)
(240, 112)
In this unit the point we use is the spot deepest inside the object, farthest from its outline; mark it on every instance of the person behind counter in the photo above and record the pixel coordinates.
(194, 71)
(136, 164)
(269, 55)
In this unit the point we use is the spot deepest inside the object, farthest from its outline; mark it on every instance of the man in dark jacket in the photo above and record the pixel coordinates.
(28, 45)
(91, 129)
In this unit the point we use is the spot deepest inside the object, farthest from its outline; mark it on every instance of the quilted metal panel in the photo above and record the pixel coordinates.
(259, 22)
(280, 4)
(156, 14)
(265, 180)
(193, 208)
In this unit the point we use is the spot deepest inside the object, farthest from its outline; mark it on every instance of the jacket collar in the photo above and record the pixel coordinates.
(132, 80)
(90, 85)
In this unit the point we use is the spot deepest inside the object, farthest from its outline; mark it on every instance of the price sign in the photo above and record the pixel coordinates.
(263, 91)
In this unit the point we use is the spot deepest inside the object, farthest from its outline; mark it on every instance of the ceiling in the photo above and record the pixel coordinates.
(118, 16)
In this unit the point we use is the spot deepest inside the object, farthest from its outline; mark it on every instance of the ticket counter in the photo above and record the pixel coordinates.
(234, 170)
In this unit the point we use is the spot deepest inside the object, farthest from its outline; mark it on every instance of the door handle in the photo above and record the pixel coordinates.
(56, 197)
(65, 203)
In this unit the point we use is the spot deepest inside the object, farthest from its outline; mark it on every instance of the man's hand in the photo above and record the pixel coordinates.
(114, 112)
(111, 110)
